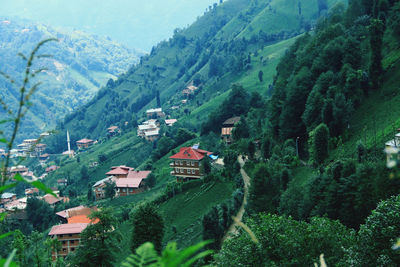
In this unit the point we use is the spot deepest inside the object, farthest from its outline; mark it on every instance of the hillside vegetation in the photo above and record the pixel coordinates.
(214, 52)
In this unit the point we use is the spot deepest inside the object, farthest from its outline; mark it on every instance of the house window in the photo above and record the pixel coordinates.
(64, 250)
(72, 249)
(123, 190)
(70, 235)
(192, 163)
(130, 189)
(63, 242)
(72, 241)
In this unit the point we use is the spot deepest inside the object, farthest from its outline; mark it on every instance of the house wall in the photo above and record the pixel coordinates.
(69, 243)
(184, 169)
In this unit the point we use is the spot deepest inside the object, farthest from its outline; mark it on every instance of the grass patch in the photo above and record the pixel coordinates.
(185, 211)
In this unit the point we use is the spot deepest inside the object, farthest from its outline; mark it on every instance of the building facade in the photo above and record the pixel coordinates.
(187, 163)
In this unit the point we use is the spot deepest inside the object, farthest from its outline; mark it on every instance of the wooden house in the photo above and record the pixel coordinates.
(187, 163)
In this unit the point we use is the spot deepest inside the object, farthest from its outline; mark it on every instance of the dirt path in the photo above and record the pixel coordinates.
(246, 179)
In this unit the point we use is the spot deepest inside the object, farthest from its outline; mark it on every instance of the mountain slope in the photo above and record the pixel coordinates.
(209, 52)
(80, 64)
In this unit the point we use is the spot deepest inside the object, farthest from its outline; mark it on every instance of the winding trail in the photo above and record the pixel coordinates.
(233, 230)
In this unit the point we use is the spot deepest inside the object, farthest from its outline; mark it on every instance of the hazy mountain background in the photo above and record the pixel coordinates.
(81, 63)
(135, 23)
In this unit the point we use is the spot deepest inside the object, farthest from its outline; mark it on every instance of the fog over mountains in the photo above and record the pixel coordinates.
(135, 23)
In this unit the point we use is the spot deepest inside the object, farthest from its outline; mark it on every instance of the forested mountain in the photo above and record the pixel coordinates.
(214, 52)
(134, 23)
(80, 64)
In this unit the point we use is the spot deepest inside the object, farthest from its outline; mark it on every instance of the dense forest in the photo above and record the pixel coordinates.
(317, 100)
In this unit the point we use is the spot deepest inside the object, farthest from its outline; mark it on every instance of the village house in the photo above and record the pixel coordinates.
(52, 200)
(69, 235)
(27, 147)
(45, 134)
(17, 169)
(70, 153)
(155, 113)
(151, 136)
(392, 149)
(7, 197)
(62, 182)
(127, 182)
(113, 130)
(15, 205)
(52, 168)
(170, 122)
(120, 171)
(43, 158)
(187, 163)
(84, 143)
(189, 90)
(78, 214)
(40, 148)
(31, 192)
(99, 187)
(134, 183)
(227, 128)
(150, 130)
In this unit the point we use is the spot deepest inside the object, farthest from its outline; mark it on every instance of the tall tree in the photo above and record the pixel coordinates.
(376, 30)
(98, 242)
(148, 226)
(320, 143)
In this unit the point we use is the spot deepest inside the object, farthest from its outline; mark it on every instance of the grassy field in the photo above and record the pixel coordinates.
(184, 212)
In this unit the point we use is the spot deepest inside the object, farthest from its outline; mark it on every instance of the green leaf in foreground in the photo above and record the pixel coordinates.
(7, 186)
(6, 234)
(39, 185)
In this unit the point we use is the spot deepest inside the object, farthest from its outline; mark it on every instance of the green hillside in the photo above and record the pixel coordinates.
(209, 52)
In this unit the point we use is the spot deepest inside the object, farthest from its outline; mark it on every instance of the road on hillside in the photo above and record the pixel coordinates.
(233, 229)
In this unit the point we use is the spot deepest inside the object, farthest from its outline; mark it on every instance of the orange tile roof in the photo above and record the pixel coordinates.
(82, 219)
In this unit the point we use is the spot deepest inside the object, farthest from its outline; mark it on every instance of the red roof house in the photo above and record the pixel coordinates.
(84, 143)
(186, 164)
(120, 171)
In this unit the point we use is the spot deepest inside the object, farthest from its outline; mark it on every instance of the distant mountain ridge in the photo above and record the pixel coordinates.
(135, 23)
(80, 64)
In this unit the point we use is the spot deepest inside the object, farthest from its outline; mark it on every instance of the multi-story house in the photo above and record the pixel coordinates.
(187, 163)
(69, 235)
(227, 128)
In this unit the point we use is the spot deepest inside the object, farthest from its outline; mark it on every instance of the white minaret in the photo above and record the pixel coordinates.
(69, 145)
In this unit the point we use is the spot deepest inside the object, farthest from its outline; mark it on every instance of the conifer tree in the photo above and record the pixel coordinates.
(320, 143)
(148, 226)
